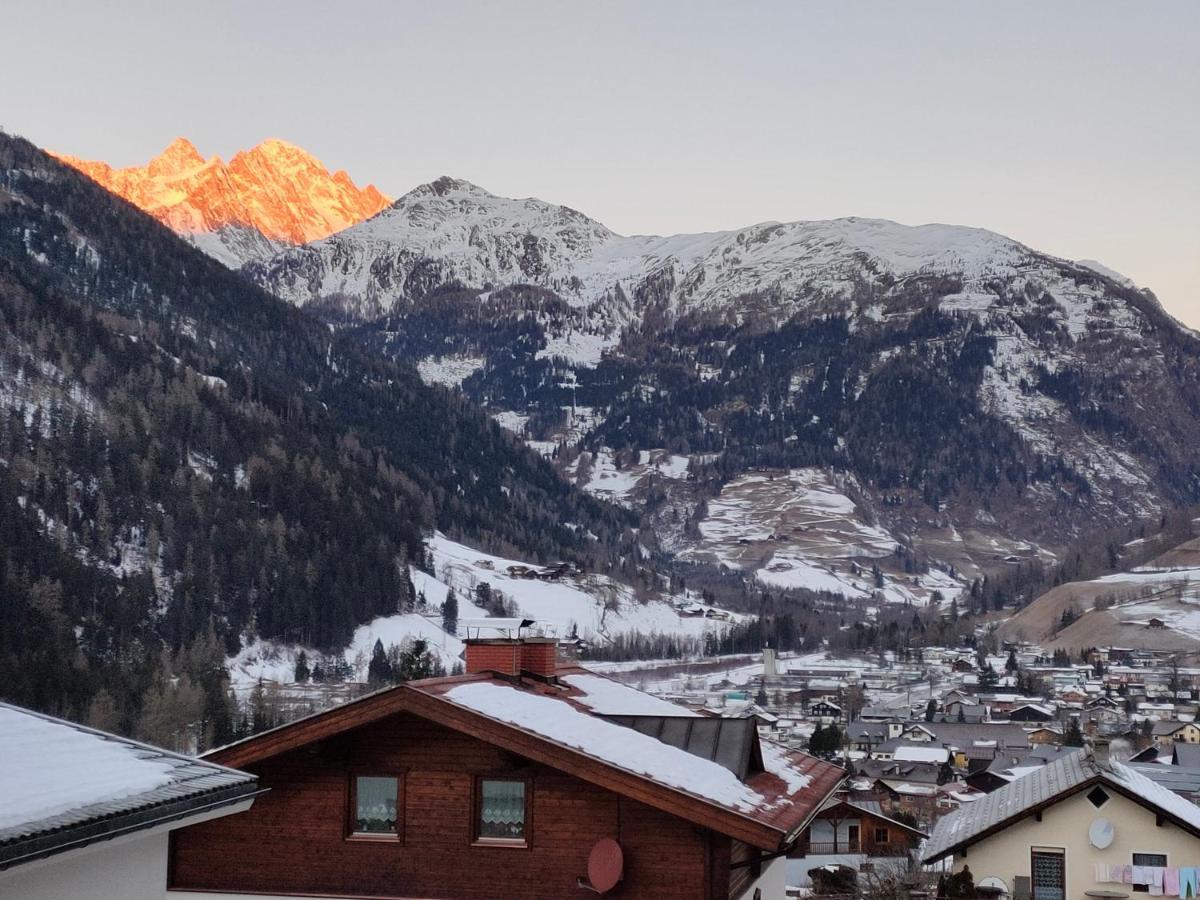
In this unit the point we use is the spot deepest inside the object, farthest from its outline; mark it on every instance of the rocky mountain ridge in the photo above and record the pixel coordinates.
(263, 200)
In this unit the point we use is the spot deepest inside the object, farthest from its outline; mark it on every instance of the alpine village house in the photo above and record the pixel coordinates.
(521, 778)
(1080, 826)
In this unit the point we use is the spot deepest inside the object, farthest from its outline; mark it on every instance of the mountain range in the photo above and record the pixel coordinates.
(981, 401)
(976, 403)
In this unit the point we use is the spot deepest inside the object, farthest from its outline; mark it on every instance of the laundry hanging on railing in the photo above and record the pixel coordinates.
(1159, 881)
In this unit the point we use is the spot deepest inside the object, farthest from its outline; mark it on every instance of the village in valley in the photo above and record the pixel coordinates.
(766, 775)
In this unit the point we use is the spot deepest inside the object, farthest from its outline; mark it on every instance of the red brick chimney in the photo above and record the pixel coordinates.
(536, 656)
(539, 656)
(499, 655)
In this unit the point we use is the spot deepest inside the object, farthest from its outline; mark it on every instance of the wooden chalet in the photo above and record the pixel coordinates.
(521, 778)
(826, 710)
(844, 826)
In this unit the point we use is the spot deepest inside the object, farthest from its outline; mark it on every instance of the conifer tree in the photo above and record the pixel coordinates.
(450, 613)
(379, 671)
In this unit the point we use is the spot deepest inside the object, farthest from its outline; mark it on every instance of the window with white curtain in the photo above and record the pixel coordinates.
(501, 809)
(375, 804)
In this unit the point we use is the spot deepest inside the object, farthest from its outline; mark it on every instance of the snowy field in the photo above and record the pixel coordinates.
(448, 371)
(801, 529)
(594, 605)
(619, 485)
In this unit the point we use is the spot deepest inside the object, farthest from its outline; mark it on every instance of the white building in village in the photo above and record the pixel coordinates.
(87, 814)
(1076, 827)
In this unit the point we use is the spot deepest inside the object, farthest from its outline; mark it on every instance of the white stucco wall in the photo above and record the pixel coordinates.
(772, 882)
(1065, 827)
(132, 869)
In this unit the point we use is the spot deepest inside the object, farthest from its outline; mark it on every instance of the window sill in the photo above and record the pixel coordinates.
(366, 838)
(513, 843)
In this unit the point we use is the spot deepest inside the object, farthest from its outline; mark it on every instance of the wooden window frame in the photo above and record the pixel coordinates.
(887, 834)
(348, 832)
(477, 780)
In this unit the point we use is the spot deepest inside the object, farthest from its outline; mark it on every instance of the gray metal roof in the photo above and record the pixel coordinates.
(914, 772)
(862, 730)
(732, 743)
(1187, 755)
(1179, 778)
(1008, 802)
(192, 786)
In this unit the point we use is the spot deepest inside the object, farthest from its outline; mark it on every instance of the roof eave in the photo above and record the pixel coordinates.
(75, 837)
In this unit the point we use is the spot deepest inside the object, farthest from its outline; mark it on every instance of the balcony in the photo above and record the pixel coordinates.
(869, 848)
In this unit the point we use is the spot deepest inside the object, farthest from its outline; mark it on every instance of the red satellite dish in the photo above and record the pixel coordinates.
(606, 865)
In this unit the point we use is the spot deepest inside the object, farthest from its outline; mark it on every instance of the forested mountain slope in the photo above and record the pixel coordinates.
(186, 461)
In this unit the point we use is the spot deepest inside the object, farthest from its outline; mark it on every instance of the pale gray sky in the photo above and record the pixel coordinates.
(1071, 126)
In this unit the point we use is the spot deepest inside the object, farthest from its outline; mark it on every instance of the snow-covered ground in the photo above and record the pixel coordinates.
(801, 529)
(595, 605)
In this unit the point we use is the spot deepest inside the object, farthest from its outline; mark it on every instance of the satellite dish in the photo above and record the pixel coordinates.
(1101, 833)
(992, 884)
(606, 865)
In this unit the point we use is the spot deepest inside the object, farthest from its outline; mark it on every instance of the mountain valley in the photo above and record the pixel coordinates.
(849, 415)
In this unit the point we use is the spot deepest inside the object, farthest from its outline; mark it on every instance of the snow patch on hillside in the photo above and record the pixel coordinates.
(449, 371)
(616, 485)
(800, 529)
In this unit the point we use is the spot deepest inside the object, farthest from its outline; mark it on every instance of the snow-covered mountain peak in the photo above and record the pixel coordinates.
(479, 238)
(448, 199)
(1100, 269)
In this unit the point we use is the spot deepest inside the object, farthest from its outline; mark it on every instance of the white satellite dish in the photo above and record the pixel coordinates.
(1101, 833)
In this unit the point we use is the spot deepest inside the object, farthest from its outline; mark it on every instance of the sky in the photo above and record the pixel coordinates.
(1073, 127)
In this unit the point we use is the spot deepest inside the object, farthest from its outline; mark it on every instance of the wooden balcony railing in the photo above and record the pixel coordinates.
(826, 848)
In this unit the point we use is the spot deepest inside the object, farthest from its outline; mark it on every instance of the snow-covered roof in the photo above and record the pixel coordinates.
(1047, 785)
(912, 790)
(910, 753)
(608, 697)
(56, 776)
(622, 747)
